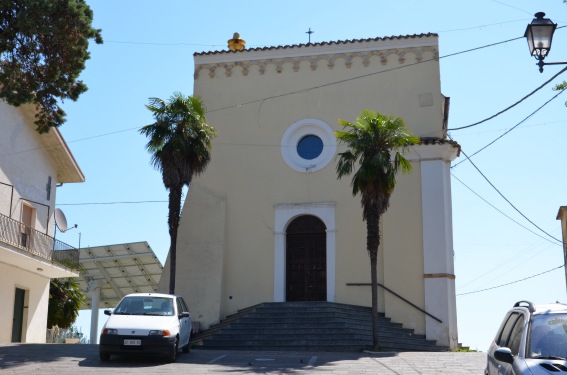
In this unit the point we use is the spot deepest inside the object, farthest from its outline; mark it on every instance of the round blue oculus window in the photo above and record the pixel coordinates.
(309, 147)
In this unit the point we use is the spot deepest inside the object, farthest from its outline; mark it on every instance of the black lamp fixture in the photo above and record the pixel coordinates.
(539, 34)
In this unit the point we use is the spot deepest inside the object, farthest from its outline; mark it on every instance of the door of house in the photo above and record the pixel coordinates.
(18, 320)
(26, 229)
(306, 260)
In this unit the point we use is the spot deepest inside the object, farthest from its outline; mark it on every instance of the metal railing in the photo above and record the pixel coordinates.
(37, 243)
(399, 297)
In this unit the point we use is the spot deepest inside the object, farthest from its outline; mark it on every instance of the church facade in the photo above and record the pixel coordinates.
(269, 221)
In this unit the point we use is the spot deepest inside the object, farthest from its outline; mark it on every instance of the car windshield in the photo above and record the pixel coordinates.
(548, 336)
(145, 305)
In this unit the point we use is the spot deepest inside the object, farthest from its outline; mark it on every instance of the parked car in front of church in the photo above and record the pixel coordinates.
(531, 340)
(147, 323)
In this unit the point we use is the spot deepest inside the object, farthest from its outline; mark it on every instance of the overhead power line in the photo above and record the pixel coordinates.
(295, 92)
(491, 205)
(513, 105)
(386, 71)
(481, 47)
(509, 130)
(513, 282)
(508, 201)
(106, 203)
(223, 45)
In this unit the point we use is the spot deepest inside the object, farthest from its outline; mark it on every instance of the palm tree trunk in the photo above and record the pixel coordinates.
(374, 281)
(173, 222)
(372, 243)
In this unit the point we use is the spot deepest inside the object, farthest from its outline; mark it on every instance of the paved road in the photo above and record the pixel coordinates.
(83, 359)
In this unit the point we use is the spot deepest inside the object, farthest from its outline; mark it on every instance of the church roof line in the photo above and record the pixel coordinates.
(311, 54)
(331, 43)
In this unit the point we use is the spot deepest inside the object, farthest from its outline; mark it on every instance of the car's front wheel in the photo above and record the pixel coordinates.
(173, 352)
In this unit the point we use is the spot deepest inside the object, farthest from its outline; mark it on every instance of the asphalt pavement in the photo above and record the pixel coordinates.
(83, 359)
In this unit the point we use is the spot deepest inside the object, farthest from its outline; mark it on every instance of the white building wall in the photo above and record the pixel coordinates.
(35, 306)
(26, 165)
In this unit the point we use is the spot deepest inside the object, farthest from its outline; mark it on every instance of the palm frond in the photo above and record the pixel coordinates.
(179, 140)
(371, 141)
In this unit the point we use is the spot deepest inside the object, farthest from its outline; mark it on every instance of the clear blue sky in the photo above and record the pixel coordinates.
(148, 52)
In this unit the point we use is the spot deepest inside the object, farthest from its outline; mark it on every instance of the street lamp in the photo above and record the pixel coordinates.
(539, 34)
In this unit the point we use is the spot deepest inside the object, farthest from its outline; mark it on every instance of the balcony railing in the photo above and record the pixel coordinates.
(40, 244)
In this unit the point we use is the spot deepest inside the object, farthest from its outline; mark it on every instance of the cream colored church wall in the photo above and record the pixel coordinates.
(403, 252)
(200, 249)
(397, 91)
(248, 172)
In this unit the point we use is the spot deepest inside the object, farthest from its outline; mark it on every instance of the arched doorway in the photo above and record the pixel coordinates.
(306, 260)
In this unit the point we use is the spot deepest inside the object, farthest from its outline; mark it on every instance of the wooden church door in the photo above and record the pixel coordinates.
(306, 260)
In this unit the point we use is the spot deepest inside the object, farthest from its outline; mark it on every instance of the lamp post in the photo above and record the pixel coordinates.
(539, 34)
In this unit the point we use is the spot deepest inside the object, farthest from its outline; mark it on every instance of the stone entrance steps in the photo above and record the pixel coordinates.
(309, 326)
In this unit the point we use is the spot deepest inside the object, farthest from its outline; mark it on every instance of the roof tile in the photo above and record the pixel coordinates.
(352, 41)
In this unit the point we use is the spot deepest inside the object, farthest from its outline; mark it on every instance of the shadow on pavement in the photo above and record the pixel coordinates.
(39, 356)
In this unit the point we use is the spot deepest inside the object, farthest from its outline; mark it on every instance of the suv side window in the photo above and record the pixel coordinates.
(502, 339)
(516, 335)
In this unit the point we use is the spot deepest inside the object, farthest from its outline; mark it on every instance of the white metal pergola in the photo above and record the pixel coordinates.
(108, 273)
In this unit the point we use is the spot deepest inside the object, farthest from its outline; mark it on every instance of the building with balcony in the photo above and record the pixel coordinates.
(32, 165)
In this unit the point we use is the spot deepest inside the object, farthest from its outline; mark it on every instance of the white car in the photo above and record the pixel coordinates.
(147, 323)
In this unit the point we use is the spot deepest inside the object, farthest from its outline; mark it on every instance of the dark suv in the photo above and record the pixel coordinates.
(531, 340)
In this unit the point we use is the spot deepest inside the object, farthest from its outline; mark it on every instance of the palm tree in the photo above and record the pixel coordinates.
(180, 144)
(65, 300)
(375, 142)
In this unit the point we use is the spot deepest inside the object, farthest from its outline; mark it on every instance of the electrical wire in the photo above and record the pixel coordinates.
(161, 43)
(513, 282)
(306, 90)
(509, 130)
(364, 76)
(491, 205)
(107, 203)
(476, 27)
(513, 105)
(511, 6)
(361, 76)
(499, 267)
(508, 201)
(481, 47)
(212, 45)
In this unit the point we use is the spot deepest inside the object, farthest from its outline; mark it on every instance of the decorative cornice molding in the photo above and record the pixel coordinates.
(331, 59)
(434, 149)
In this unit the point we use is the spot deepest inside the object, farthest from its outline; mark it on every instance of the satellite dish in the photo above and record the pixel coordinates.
(60, 220)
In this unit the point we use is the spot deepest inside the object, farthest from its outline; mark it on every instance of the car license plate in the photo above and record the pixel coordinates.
(133, 342)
